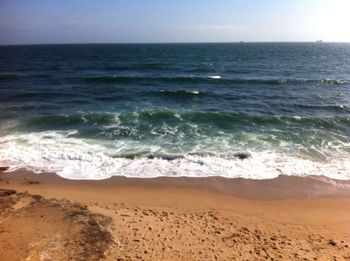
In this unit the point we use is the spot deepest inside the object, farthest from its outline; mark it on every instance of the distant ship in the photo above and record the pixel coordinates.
(319, 41)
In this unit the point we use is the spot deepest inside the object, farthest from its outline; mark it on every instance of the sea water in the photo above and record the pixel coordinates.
(251, 110)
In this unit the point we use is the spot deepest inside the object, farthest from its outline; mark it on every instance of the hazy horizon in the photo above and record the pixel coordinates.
(170, 43)
(224, 21)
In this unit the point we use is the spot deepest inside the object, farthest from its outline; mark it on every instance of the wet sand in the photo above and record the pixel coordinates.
(288, 218)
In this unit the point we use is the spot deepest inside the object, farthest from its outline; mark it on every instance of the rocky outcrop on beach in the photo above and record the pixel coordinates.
(36, 228)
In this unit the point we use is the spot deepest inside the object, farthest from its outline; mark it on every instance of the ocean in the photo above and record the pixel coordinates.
(250, 110)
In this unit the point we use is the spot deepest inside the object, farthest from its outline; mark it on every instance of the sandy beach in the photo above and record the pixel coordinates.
(45, 217)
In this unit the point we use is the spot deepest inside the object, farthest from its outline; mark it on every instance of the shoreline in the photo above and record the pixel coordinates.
(288, 218)
(281, 188)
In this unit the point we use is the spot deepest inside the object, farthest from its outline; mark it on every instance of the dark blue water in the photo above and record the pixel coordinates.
(177, 109)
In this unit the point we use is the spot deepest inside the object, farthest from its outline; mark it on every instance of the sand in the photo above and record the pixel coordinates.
(288, 218)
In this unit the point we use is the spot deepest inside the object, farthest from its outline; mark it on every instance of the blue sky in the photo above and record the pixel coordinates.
(114, 21)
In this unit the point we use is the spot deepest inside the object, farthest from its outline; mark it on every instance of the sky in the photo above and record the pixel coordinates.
(153, 21)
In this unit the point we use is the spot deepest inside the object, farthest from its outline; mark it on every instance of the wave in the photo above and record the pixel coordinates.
(181, 93)
(12, 77)
(209, 79)
(39, 94)
(75, 158)
(8, 77)
(182, 79)
(138, 67)
(336, 108)
(127, 79)
(67, 120)
(215, 77)
(218, 119)
(330, 81)
(199, 70)
(30, 106)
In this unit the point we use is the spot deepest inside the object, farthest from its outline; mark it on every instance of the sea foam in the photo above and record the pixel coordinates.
(215, 77)
(75, 158)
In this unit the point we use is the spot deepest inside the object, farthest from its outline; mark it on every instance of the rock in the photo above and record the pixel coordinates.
(37, 197)
(7, 192)
(242, 155)
(4, 168)
(32, 182)
(130, 157)
(172, 157)
(332, 242)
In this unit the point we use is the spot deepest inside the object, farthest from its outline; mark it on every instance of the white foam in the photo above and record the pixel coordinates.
(215, 77)
(178, 91)
(75, 158)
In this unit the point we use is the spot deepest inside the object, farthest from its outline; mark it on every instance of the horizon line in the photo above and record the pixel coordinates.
(144, 43)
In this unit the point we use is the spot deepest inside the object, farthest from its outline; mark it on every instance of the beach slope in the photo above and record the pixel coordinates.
(289, 218)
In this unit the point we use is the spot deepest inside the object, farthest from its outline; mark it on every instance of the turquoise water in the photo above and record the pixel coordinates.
(234, 110)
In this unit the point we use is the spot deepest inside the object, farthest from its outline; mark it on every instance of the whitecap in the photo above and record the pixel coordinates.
(215, 77)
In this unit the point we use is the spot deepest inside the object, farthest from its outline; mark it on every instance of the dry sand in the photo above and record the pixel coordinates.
(288, 218)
